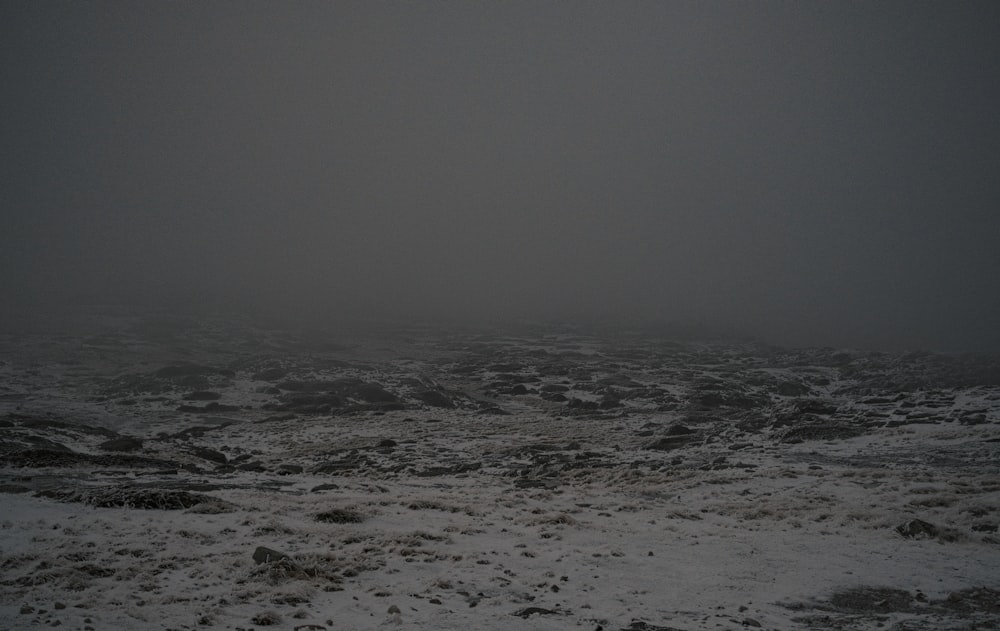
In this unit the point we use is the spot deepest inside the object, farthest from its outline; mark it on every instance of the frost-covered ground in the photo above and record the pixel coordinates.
(178, 474)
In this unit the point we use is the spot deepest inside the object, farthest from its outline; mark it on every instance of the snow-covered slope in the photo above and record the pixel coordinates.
(181, 474)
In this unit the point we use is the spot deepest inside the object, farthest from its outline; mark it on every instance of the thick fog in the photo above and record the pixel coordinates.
(812, 172)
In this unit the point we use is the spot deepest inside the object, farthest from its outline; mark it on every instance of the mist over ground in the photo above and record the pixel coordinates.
(816, 173)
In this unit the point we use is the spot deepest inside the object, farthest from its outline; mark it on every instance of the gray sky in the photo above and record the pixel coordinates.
(812, 172)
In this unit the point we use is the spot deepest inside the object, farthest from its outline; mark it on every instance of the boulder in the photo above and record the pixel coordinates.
(267, 555)
(917, 529)
(289, 469)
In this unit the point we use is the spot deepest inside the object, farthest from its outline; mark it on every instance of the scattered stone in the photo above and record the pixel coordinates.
(639, 625)
(147, 498)
(340, 516)
(864, 600)
(266, 618)
(267, 555)
(917, 529)
(527, 612)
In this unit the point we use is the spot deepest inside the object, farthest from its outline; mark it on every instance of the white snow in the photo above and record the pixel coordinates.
(624, 537)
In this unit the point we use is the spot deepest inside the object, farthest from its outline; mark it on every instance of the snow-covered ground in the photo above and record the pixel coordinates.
(537, 478)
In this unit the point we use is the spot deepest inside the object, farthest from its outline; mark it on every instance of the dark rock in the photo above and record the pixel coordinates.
(94, 571)
(820, 431)
(324, 487)
(667, 443)
(580, 404)
(527, 612)
(289, 469)
(864, 600)
(50, 458)
(316, 386)
(792, 389)
(639, 625)
(349, 463)
(209, 407)
(266, 618)
(609, 401)
(123, 443)
(48, 423)
(552, 387)
(209, 454)
(267, 555)
(620, 381)
(917, 529)
(434, 398)
(373, 393)
(197, 431)
(808, 406)
(535, 483)
(189, 370)
(431, 472)
(146, 498)
(270, 374)
(202, 395)
(33, 442)
(307, 402)
(340, 516)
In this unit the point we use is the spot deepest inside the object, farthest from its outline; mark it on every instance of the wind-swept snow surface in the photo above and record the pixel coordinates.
(209, 474)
